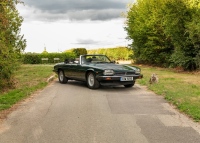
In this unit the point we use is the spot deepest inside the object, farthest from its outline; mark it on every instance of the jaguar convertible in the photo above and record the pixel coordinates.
(97, 70)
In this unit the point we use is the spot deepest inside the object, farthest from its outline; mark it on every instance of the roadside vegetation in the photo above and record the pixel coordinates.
(117, 53)
(165, 32)
(11, 42)
(28, 79)
(182, 89)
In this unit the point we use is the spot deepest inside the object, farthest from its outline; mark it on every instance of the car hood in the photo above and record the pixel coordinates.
(113, 66)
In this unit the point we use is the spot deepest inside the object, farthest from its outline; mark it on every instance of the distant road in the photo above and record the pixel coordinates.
(72, 113)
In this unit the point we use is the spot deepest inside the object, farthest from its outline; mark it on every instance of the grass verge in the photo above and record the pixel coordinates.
(28, 78)
(180, 89)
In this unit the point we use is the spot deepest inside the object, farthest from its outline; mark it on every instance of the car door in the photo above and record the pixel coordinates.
(73, 70)
(81, 70)
(67, 69)
(77, 72)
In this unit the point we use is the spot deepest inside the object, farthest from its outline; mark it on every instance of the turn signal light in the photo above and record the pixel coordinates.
(108, 78)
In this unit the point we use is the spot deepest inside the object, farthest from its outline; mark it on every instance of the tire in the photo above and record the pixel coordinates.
(62, 78)
(129, 85)
(92, 83)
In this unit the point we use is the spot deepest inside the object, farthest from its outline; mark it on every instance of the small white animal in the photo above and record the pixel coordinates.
(153, 79)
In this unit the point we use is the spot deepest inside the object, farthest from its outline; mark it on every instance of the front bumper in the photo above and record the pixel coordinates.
(115, 80)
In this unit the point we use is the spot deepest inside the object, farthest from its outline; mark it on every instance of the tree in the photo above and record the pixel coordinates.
(11, 42)
(193, 29)
(144, 26)
(177, 16)
(165, 32)
(79, 51)
(184, 29)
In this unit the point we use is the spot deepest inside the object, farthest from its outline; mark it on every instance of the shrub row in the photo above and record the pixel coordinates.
(36, 58)
(119, 53)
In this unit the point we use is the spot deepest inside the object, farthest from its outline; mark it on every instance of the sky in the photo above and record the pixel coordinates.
(60, 25)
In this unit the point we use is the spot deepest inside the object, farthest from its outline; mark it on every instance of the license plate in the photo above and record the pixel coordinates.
(126, 79)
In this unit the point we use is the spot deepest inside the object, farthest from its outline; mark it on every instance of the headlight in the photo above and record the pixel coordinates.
(108, 72)
(137, 70)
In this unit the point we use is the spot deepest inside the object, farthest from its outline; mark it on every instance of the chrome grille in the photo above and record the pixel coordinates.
(124, 73)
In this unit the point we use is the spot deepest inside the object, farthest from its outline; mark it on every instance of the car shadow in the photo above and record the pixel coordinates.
(101, 88)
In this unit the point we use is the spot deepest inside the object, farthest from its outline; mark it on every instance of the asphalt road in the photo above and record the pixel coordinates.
(72, 113)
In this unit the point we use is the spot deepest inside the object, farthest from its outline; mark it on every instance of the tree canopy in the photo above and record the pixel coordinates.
(165, 33)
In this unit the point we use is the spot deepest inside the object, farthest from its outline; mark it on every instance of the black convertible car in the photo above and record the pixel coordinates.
(97, 70)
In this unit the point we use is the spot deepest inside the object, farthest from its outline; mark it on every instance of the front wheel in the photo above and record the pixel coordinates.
(129, 85)
(92, 83)
(62, 78)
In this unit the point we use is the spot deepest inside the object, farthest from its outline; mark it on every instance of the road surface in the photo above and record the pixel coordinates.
(72, 113)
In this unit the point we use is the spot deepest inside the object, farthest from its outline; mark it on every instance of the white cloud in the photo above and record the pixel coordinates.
(63, 35)
(63, 24)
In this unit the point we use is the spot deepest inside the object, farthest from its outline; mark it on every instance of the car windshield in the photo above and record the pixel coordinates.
(95, 59)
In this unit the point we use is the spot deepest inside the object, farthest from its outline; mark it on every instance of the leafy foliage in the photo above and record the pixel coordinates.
(119, 53)
(78, 51)
(11, 42)
(165, 33)
(36, 58)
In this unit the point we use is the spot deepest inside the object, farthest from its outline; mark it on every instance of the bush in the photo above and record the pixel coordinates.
(36, 58)
(11, 42)
(31, 58)
(165, 33)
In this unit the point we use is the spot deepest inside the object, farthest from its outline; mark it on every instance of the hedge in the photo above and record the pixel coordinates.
(36, 58)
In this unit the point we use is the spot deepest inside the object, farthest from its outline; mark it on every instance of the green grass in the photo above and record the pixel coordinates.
(180, 89)
(28, 78)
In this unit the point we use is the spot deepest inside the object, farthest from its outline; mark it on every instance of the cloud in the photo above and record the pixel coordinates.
(86, 41)
(52, 10)
(68, 5)
(64, 24)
